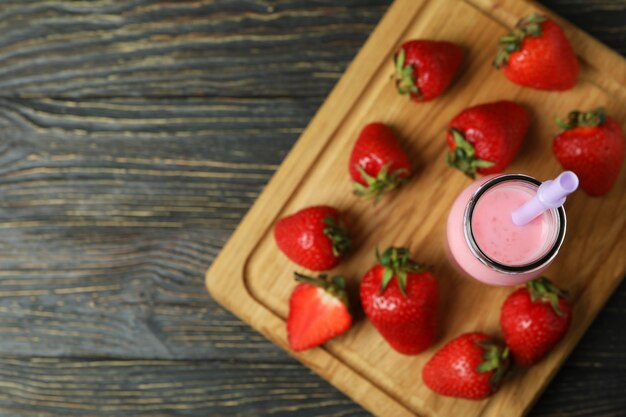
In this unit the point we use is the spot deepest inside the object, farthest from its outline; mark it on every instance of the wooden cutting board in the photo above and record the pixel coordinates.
(253, 279)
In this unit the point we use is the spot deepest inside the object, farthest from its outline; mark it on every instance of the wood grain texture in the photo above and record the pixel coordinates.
(97, 153)
(162, 388)
(603, 19)
(179, 48)
(123, 234)
(78, 215)
(46, 387)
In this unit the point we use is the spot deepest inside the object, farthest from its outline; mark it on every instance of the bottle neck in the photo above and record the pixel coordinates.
(555, 224)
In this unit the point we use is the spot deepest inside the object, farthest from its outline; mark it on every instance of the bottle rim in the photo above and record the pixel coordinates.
(492, 263)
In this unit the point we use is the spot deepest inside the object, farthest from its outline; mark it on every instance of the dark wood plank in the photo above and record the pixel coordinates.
(603, 19)
(52, 387)
(111, 211)
(146, 47)
(140, 162)
(45, 387)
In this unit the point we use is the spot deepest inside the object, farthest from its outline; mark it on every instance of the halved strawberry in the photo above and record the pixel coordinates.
(318, 311)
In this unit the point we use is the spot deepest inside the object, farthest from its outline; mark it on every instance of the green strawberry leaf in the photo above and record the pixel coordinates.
(404, 77)
(387, 275)
(338, 235)
(528, 26)
(543, 290)
(381, 184)
(578, 118)
(397, 262)
(463, 157)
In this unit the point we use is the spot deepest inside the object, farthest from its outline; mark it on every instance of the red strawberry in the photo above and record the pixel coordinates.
(400, 297)
(534, 319)
(537, 54)
(592, 146)
(318, 311)
(424, 69)
(314, 237)
(378, 163)
(486, 138)
(469, 366)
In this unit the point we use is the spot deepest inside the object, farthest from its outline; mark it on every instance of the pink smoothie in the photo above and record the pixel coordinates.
(496, 235)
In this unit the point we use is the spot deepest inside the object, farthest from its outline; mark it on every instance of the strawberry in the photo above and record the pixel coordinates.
(537, 54)
(318, 311)
(592, 146)
(534, 319)
(470, 366)
(400, 297)
(424, 68)
(315, 237)
(378, 164)
(486, 138)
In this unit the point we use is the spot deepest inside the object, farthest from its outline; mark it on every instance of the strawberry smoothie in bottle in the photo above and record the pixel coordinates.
(489, 243)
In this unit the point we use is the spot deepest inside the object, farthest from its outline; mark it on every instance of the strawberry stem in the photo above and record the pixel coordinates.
(463, 156)
(383, 182)
(405, 80)
(543, 290)
(496, 359)
(396, 262)
(578, 118)
(528, 26)
(338, 235)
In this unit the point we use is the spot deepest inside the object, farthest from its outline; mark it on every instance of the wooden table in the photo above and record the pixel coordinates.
(134, 135)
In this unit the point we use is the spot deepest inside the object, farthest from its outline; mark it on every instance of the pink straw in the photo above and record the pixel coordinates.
(551, 194)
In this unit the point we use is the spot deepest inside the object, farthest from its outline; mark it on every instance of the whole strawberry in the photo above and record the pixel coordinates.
(537, 54)
(485, 138)
(318, 311)
(470, 366)
(592, 145)
(534, 319)
(401, 298)
(378, 163)
(425, 68)
(314, 237)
